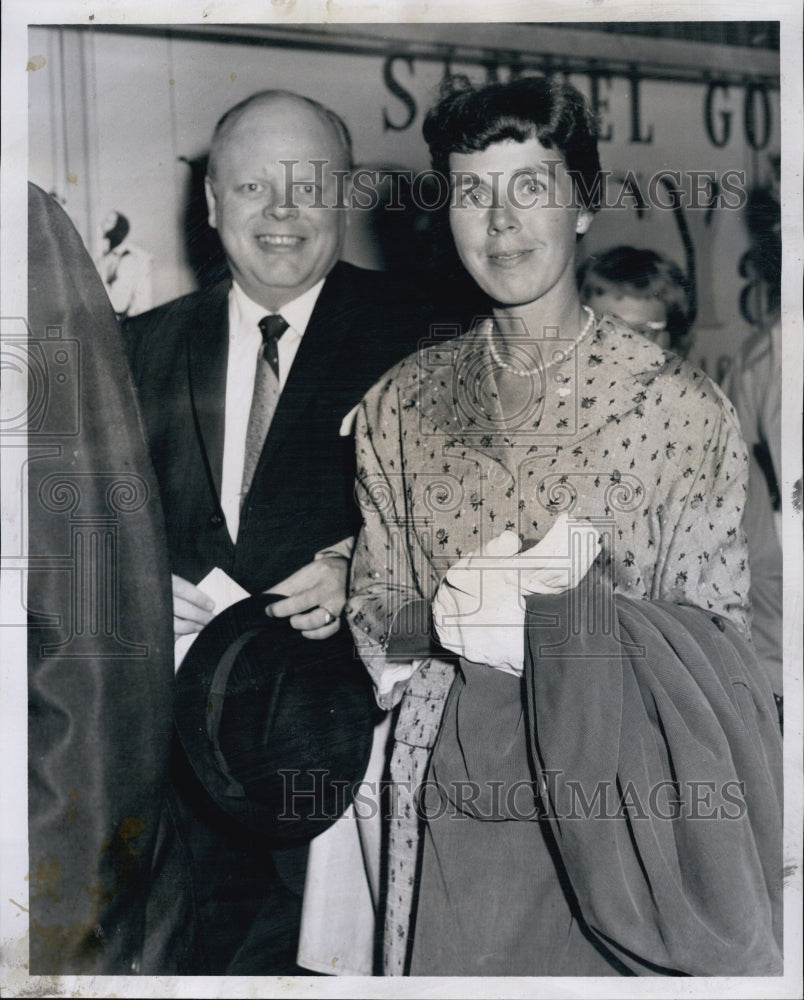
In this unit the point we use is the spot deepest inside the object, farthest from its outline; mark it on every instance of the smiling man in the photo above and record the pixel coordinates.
(275, 187)
(246, 391)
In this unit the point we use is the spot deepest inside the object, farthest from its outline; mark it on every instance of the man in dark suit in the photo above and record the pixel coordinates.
(274, 510)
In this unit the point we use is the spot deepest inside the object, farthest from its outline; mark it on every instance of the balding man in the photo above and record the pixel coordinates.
(273, 513)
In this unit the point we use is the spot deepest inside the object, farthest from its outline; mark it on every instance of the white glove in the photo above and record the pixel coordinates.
(479, 608)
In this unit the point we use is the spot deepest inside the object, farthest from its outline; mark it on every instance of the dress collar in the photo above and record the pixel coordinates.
(446, 386)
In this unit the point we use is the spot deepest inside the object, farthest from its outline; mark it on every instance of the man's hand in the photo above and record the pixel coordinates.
(192, 609)
(479, 608)
(316, 596)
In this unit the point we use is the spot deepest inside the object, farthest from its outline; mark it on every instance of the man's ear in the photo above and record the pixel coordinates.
(212, 203)
(348, 193)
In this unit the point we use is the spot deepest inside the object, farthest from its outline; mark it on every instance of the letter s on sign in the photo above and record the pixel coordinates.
(399, 91)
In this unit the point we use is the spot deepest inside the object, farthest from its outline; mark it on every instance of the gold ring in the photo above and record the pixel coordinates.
(330, 617)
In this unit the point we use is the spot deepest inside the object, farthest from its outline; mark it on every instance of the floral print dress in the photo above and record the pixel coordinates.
(618, 431)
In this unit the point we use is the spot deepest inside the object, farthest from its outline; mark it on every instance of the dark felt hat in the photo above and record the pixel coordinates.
(277, 727)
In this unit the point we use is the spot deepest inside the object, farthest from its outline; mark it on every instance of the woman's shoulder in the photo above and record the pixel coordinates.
(661, 375)
(404, 380)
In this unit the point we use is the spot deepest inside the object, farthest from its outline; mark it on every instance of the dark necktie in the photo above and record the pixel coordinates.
(266, 395)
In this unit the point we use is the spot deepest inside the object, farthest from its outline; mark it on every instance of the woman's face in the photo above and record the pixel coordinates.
(514, 221)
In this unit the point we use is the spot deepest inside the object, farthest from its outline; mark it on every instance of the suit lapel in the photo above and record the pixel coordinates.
(208, 348)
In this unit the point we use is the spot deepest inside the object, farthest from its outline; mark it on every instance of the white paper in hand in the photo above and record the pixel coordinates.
(224, 591)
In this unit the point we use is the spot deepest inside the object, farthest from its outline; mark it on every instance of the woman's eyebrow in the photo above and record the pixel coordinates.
(547, 168)
(465, 177)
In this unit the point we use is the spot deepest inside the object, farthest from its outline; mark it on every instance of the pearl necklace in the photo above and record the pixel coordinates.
(489, 327)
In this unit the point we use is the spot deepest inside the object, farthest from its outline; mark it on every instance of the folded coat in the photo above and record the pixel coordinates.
(674, 695)
(650, 737)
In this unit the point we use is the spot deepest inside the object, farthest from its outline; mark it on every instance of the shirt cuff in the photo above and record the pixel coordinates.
(392, 681)
(343, 548)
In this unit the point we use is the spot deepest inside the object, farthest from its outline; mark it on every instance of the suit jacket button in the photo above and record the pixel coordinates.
(215, 520)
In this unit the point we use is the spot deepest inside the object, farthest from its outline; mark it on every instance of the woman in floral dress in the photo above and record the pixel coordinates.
(474, 447)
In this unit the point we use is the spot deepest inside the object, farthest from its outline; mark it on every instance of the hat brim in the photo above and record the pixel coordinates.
(278, 728)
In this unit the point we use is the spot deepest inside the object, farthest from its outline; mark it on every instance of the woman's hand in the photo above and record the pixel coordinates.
(479, 608)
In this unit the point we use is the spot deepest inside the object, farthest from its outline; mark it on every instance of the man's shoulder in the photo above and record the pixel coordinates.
(173, 314)
(374, 288)
(357, 275)
(379, 311)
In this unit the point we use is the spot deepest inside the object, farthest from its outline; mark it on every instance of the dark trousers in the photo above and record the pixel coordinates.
(247, 897)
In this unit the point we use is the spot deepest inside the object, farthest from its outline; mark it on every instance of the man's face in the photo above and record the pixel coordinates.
(516, 230)
(279, 241)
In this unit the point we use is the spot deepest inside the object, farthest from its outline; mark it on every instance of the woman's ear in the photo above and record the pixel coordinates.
(584, 221)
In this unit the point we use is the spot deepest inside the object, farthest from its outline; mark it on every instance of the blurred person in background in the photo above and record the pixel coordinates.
(754, 384)
(125, 268)
(645, 289)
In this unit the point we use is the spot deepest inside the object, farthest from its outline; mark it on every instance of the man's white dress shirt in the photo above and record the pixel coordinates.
(245, 344)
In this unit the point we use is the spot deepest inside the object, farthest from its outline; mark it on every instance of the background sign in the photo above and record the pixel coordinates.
(121, 118)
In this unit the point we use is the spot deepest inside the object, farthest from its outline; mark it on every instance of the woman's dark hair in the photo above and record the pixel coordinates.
(470, 119)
